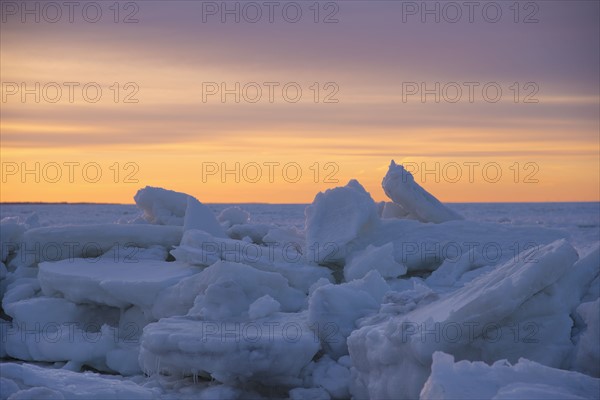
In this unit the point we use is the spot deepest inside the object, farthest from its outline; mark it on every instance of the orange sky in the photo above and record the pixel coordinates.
(161, 132)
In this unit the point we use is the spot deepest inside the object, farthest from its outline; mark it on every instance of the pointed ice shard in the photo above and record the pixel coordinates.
(400, 186)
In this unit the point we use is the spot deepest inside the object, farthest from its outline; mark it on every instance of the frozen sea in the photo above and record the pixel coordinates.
(581, 220)
(170, 345)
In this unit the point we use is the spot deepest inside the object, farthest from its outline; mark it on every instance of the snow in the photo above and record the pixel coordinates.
(358, 300)
(523, 380)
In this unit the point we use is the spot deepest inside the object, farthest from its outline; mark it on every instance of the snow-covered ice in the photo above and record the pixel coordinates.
(106, 282)
(515, 310)
(501, 380)
(90, 241)
(380, 259)
(161, 206)
(226, 290)
(199, 216)
(337, 217)
(334, 309)
(400, 186)
(344, 298)
(270, 350)
(31, 382)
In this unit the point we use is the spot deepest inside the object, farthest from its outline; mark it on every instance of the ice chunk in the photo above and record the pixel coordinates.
(161, 206)
(299, 275)
(199, 216)
(392, 358)
(424, 247)
(57, 342)
(400, 186)
(337, 217)
(587, 352)
(285, 236)
(68, 242)
(309, 394)
(55, 329)
(334, 309)
(20, 289)
(393, 210)
(524, 380)
(332, 376)
(11, 232)
(38, 393)
(224, 290)
(73, 385)
(201, 249)
(3, 271)
(124, 359)
(48, 311)
(117, 284)
(7, 388)
(585, 281)
(263, 307)
(256, 232)
(380, 259)
(233, 216)
(269, 350)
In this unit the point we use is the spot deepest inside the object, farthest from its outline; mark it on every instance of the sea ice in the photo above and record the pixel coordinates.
(424, 247)
(270, 351)
(400, 186)
(201, 249)
(199, 216)
(225, 290)
(524, 380)
(393, 210)
(233, 216)
(392, 357)
(380, 259)
(161, 206)
(116, 284)
(370, 300)
(587, 351)
(56, 243)
(333, 310)
(337, 217)
(71, 385)
(11, 232)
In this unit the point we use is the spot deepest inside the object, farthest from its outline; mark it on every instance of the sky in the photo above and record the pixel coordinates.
(237, 102)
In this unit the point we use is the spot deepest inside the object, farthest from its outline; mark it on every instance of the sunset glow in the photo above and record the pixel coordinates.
(158, 120)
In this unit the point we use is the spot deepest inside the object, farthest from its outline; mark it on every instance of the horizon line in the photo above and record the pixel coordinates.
(264, 203)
